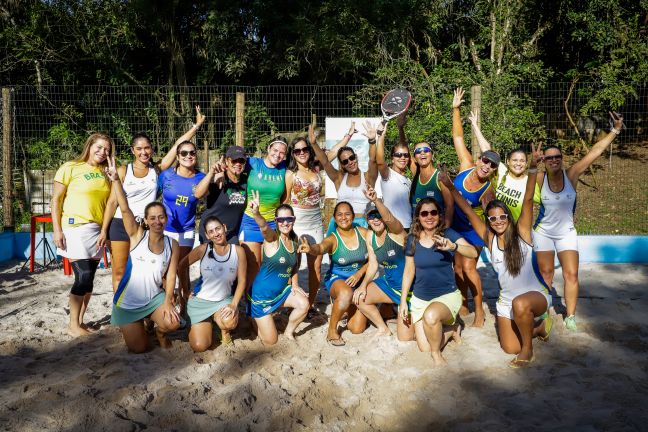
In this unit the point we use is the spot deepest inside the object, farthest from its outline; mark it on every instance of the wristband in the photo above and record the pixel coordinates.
(456, 247)
(195, 126)
(379, 132)
(532, 170)
(615, 131)
(372, 140)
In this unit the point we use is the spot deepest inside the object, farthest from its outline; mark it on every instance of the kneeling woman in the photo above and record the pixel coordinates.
(348, 252)
(524, 294)
(429, 254)
(276, 285)
(221, 264)
(385, 244)
(152, 260)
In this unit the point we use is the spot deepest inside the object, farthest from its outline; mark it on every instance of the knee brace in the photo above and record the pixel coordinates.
(84, 273)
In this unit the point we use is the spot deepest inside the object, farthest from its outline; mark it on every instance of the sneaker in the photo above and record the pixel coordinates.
(570, 323)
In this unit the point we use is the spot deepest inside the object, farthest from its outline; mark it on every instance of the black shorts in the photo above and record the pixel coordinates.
(117, 232)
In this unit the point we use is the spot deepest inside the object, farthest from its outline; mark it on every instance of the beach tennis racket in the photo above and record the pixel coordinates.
(395, 103)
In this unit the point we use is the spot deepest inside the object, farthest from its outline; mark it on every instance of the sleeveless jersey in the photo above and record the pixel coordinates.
(395, 192)
(217, 275)
(556, 215)
(269, 182)
(391, 256)
(275, 272)
(511, 191)
(460, 221)
(142, 278)
(179, 199)
(140, 191)
(529, 278)
(353, 195)
(345, 261)
(430, 189)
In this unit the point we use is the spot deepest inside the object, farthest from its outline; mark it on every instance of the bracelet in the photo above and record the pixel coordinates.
(348, 135)
(379, 132)
(372, 140)
(532, 170)
(456, 247)
(195, 126)
(615, 131)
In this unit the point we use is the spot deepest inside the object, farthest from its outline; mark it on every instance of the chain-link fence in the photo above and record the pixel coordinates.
(51, 123)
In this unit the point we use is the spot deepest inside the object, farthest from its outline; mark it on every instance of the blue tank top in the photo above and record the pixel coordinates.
(391, 256)
(275, 272)
(345, 261)
(460, 222)
(179, 199)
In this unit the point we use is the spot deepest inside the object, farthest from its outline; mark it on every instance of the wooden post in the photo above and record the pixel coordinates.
(7, 190)
(475, 106)
(240, 119)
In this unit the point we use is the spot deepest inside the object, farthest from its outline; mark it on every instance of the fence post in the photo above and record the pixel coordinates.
(7, 195)
(240, 119)
(475, 107)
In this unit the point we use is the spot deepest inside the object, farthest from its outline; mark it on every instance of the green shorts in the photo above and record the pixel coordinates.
(121, 316)
(200, 309)
(451, 300)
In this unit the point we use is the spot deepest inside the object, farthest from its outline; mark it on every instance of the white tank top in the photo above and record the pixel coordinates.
(217, 275)
(529, 278)
(353, 195)
(556, 216)
(396, 191)
(140, 191)
(142, 278)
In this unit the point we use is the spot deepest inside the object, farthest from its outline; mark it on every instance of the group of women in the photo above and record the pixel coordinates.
(262, 214)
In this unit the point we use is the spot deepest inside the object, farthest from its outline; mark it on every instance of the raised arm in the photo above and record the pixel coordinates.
(269, 235)
(168, 159)
(483, 143)
(477, 222)
(393, 225)
(525, 220)
(465, 158)
(381, 165)
(334, 174)
(213, 175)
(326, 246)
(130, 224)
(576, 170)
(331, 154)
(372, 171)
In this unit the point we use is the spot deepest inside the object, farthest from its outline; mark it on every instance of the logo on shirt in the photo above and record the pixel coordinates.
(236, 198)
(93, 176)
(282, 260)
(341, 260)
(391, 252)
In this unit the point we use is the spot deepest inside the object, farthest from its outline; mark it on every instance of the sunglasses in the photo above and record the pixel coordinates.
(373, 215)
(501, 217)
(487, 161)
(401, 155)
(422, 150)
(351, 158)
(238, 161)
(185, 153)
(285, 220)
(550, 158)
(303, 150)
(426, 213)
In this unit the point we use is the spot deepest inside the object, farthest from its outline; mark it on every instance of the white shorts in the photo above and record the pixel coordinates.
(543, 243)
(81, 242)
(308, 223)
(505, 307)
(184, 239)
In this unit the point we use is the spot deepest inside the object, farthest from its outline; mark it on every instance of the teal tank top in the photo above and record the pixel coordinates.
(391, 256)
(431, 189)
(275, 272)
(345, 261)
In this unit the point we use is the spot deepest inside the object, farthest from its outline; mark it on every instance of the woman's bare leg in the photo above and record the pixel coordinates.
(569, 264)
(200, 336)
(433, 318)
(119, 251)
(368, 307)
(135, 337)
(341, 294)
(253, 258)
(314, 277)
(163, 326)
(299, 304)
(267, 330)
(226, 326)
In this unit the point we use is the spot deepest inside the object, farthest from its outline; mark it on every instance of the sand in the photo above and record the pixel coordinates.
(592, 380)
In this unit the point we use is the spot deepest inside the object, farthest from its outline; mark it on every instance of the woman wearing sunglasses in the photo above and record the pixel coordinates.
(304, 186)
(554, 230)
(266, 176)
(349, 180)
(385, 244)
(511, 178)
(348, 253)
(435, 299)
(474, 184)
(139, 180)
(524, 295)
(277, 283)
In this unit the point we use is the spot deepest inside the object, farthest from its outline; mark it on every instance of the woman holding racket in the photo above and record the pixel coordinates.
(554, 230)
(221, 265)
(385, 244)
(304, 187)
(277, 283)
(524, 295)
(152, 262)
(139, 180)
(266, 176)
(348, 252)
(474, 184)
(435, 300)
(79, 197)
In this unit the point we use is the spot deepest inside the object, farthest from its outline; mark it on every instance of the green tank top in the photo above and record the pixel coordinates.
(430, 189)
(345, 261)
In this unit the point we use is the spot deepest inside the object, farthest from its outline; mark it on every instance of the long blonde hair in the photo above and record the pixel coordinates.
(93, 138)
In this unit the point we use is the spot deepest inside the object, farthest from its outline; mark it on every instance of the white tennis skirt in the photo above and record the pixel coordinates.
(81, 242)
(308, 222)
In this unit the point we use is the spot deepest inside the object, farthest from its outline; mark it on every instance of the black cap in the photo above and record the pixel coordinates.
(235, 152)
(491, 156)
